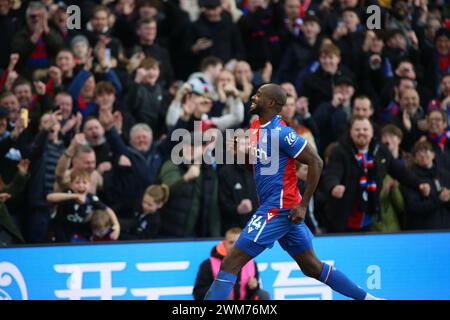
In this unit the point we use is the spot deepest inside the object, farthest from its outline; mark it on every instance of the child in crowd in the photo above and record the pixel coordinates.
(75, 209)
(101, 226)
(149, 221)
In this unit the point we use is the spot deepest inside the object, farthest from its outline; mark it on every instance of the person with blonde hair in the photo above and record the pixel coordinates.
(148, 221)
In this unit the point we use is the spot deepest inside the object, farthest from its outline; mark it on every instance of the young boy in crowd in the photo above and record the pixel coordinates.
(75, 209)
(149, 221)
(101, 226)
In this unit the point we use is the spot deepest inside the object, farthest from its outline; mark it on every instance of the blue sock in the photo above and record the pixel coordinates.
(221, 287)
(340, 283)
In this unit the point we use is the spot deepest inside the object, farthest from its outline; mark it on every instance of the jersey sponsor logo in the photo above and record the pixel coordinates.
(75, 218)
(291, 138)
(260, 154)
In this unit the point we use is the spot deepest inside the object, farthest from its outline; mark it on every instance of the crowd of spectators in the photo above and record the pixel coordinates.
(86, 115)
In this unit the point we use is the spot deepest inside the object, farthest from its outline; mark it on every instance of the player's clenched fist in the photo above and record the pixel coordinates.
(338, 191)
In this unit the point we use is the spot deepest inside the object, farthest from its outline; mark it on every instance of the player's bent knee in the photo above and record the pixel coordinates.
(233, 262)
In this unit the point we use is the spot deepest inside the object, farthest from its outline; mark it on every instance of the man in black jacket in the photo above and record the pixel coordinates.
(36, 43)
(354, 178)
(193, 206)
(318, 86)
(214, 33)
(145, 96)
(431, 212)
(300, 58)
(237, 192)
(147, 31)
(332, 117)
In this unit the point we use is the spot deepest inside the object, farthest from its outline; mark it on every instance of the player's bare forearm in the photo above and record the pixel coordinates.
(310, 157)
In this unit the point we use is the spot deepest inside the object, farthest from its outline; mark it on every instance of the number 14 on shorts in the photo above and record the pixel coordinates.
(255, 223)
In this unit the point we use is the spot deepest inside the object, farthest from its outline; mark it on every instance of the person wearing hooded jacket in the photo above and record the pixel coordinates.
(247, 286)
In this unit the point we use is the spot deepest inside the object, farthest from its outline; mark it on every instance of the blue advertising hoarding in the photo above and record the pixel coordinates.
(393, 266)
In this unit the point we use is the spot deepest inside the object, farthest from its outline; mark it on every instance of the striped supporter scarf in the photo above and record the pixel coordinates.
(367, 181)
(441, 139)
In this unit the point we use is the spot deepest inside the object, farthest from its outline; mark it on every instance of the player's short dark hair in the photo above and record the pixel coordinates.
(276, 93)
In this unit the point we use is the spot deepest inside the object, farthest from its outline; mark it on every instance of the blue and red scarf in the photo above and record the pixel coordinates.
(440, 139)
(367, 164)
(39, 56)
(364, 207)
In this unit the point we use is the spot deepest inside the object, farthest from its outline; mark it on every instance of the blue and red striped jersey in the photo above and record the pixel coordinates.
(274, 148)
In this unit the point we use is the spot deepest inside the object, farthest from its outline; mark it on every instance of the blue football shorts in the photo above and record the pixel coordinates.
(269, 225)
